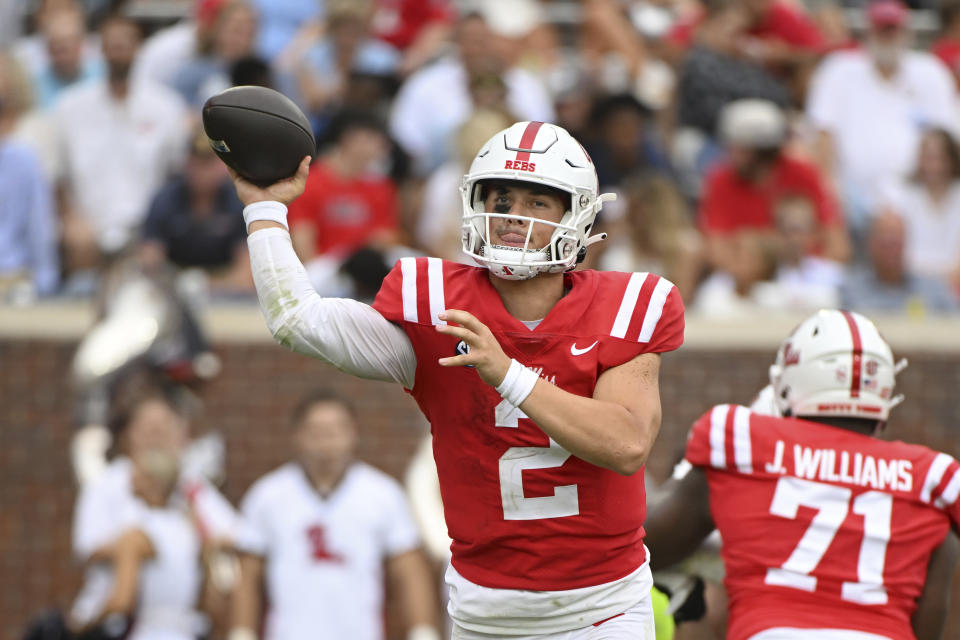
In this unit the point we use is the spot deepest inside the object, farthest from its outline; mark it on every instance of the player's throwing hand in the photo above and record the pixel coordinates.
(284, 191)
(485, 353)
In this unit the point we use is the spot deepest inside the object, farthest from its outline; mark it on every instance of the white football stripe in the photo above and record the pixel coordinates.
(741, 440)
(435, 282)
(718, 424)
(935, 475)
(408, 289)
(950, 492)
(655, 309)
(627, 304)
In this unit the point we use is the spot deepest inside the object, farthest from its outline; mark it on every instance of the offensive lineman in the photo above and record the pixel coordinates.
(540, 384)
(828, 532)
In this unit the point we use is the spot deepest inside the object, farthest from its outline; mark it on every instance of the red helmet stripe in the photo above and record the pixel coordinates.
(526, 140)
(857, 354)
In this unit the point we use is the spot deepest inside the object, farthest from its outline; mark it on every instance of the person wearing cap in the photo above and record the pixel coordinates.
(870, 107)
(741, 192)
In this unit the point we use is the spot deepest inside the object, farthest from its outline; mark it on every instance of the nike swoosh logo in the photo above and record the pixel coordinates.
(579, 352)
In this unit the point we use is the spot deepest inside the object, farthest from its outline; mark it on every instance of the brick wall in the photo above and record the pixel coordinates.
(248, 403)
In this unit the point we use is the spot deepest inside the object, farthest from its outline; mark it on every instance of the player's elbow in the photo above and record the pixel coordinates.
(631, 460)
(632, 456)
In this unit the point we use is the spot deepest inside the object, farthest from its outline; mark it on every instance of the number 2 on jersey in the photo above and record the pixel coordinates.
(832, 504)
(564, 501)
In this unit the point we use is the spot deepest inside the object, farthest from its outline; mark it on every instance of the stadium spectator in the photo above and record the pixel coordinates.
(741, 193)
(121, 139)
(804, 279)
(777, 32)
(32, 50)
(882, 572)
(653, 233)
(778, 35)
(929, 203)
(338, 50)
(434, 101)
(625, 142)
(29, 264)
(146, 533)
(713, 74)
(323, 535)
(231, 37)
(349, 203)
(418, 28)
(281, 20)
(64, 34)
(194, 221)
(869, 107)
(886, 284)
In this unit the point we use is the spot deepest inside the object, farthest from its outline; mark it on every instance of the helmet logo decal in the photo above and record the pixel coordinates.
(520, 165)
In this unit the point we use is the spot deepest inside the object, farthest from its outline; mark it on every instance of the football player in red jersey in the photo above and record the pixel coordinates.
(829, 533)
(540, 384)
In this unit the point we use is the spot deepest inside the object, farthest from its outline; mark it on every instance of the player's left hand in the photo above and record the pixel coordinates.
(485, 353)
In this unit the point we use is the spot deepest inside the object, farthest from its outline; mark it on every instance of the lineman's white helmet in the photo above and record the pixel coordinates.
(545, 154)
(835, 364)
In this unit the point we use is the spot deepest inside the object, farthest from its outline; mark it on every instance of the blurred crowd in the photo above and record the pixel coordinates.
(768, 154)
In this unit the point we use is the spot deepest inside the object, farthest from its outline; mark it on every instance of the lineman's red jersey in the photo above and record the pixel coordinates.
(522, 512)
(821, 527)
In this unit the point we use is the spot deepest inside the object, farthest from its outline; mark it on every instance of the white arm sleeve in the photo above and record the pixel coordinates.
(350, 335)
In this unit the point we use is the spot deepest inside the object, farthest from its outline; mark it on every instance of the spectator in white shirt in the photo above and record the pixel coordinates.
(871, 105)
(435, 100)
(322, 533)
(929, 203)
(145, 531)
(120, 140)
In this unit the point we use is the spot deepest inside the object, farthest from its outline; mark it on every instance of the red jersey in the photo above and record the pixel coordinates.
(731, 203)
(822, 527)
(523, 512)
(399, 22)
(344, 211)
(782, 22)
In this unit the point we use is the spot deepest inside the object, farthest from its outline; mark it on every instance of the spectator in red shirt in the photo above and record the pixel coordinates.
(779, 36)
(418, 28)
(348, 203)
(741, 192)
(771, 21)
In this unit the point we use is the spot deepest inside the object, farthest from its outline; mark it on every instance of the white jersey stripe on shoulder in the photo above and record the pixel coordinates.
(655, 309)
(741, 440)
(435, 282)
(950, 493)
(627, 304)
(934, 475)
(408, 289)
(718, 425)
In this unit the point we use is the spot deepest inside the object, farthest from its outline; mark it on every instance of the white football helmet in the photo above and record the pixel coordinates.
(835, 364)
(545, 154)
